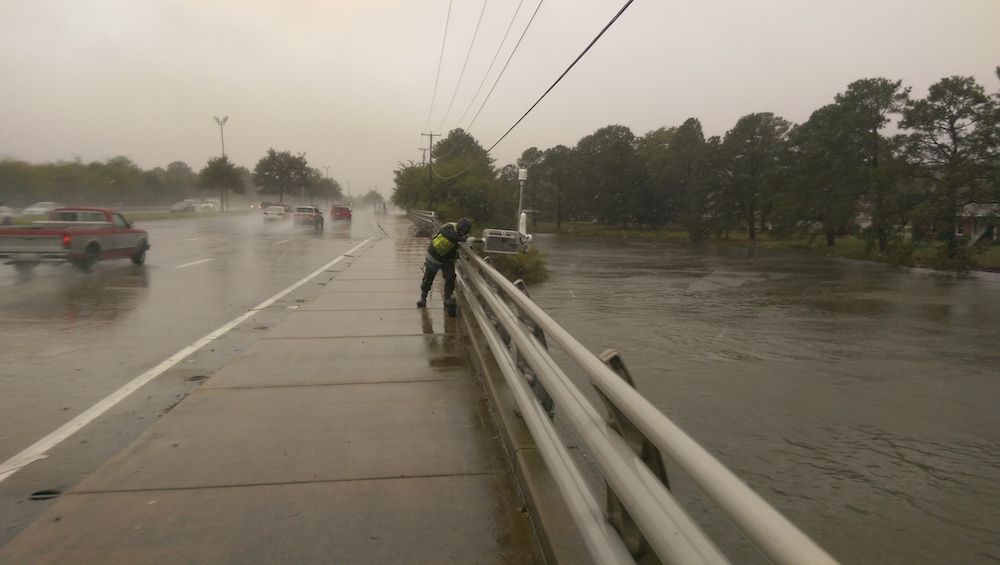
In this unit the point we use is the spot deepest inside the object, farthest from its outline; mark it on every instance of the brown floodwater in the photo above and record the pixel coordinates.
(861, 400)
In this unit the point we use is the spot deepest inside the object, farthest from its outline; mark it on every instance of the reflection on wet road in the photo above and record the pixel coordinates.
(859, 399)
(70, 338)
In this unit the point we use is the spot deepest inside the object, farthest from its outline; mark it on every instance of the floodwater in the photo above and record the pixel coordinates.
(861, 400)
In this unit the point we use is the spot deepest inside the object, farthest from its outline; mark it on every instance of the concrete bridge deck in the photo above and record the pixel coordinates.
(352, 432)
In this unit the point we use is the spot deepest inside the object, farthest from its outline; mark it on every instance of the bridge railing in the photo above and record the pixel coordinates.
(641, 514)
(427, 222)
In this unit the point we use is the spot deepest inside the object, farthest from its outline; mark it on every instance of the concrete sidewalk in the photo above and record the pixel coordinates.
(353, 432)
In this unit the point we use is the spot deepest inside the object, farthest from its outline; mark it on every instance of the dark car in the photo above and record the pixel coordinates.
(340, 213)
(183, 207)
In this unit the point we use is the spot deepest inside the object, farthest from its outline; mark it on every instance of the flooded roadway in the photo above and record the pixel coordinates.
(70, 338)
(861, 400)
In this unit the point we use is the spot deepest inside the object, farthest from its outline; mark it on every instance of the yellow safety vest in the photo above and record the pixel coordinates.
(442, 244)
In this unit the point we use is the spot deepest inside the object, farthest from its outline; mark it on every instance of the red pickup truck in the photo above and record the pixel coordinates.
(81, 236)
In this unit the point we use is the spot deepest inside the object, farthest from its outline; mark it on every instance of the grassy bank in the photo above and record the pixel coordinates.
(915, 254)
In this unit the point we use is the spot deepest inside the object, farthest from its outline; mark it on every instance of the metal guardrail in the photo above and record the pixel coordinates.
(641, 513)
(426, 221)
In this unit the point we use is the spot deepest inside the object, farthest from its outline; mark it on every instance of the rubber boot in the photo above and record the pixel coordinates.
(422, 303)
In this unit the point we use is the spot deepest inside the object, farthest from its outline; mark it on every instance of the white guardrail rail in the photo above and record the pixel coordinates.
(641, 514)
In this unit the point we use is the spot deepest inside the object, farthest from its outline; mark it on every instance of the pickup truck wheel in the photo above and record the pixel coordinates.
(140, 255)
(90, 258)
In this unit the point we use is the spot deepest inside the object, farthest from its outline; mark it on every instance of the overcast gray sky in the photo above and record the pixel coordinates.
(349, 82)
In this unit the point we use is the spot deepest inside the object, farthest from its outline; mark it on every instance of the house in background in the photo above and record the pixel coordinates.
(978, 221)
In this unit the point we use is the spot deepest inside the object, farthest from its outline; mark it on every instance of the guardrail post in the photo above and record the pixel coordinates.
(536, 386)
(617, 513)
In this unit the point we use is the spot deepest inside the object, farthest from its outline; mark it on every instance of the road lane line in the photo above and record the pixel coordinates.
(193, 239)
(280, 242)
(40, 448)
(193, 263)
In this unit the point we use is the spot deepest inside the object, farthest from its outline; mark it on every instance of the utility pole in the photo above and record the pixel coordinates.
(430, 169)
(222, 121)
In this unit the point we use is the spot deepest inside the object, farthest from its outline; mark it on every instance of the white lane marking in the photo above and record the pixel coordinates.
(280, 242)
(193, 239)
(193, 263)
(39, 449)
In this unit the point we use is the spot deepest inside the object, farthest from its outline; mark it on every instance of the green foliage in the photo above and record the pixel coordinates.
(221, 174)
(280, 172)
(464, 183)
(372, 197)
(115, 182)
(953, 146)
(528, 266)
(837, 174)
(750, 165)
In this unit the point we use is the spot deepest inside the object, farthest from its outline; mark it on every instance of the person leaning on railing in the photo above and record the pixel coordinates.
(441, 255)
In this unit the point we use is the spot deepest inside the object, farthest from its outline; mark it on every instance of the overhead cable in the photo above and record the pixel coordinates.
(467, 128)
(490, 68)
(440, 59)
(461, 75)
(549, 89)
(495, 82)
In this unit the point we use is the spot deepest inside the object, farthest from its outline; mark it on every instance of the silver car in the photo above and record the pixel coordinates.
(41, 208)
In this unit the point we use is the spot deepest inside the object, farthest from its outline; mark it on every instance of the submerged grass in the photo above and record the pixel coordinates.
(929, 255)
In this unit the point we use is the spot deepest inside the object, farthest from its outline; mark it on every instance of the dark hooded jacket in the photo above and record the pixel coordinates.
(444, 246)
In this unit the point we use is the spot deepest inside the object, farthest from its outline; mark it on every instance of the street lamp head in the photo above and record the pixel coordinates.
(221, 121)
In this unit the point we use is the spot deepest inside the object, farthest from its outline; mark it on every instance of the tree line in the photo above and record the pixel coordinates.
(120, 182)
(875, 162)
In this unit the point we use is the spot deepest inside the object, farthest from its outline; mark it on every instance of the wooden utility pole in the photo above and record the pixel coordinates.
(430, 169)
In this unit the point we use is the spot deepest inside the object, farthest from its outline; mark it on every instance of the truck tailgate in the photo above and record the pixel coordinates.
(30, 244)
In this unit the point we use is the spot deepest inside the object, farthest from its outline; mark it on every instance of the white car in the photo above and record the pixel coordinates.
(275, 213)
(41, 208)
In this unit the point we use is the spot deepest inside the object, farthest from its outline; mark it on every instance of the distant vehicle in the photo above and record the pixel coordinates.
(340, 213)
(207, 206)
(256, 205)
(40, 208)
(273, 213)
(308, 215)
(6, 216)
(81, 236)
(185, 206)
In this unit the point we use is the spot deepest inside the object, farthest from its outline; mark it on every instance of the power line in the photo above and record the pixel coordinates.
(440, 59)
(481, 83)
(461, 75)
(549, 89)
(495, 82)
(571, 65)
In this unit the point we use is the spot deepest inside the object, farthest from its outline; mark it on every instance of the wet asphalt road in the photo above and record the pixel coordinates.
(69, 339)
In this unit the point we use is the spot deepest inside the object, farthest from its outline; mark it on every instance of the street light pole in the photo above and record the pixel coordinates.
(522, 177)
(222, 121)
(222, 137)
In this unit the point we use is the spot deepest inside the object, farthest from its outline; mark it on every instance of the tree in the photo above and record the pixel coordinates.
(608, 173)
(179, 181)
(750, 153)
(220, 173)
(372, 197)
(555, 176)
(867, 105)
(953, 143)
(823, 167)
(279, 172)
(319, 186)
